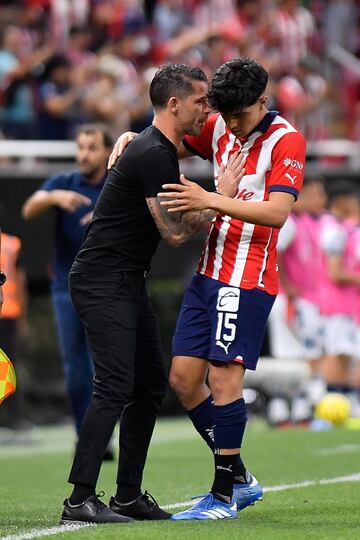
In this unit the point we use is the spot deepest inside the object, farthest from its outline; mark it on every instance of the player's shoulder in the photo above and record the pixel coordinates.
(285, 128)
(286, 137)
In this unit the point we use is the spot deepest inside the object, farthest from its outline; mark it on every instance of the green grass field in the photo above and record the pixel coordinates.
(34, 472)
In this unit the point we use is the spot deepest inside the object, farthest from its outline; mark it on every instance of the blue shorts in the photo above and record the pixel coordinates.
(222, 323)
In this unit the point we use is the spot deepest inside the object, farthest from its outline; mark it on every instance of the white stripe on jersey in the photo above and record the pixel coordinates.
(219, 131)
(220, 244)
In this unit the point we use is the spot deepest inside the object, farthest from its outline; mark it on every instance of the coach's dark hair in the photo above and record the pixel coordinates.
(90, 129)
(237, 84)
(173, 80)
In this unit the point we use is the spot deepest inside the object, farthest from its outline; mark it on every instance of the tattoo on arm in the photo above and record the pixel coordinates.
(176, 225)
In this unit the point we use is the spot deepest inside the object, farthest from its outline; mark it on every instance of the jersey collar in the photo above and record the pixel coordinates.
(263, 125)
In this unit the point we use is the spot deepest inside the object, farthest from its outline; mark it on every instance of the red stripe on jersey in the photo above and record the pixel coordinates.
(253, 157)
(230, 249)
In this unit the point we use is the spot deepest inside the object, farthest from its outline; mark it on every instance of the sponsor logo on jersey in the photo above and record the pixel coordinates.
(245, 195)
(293, 164)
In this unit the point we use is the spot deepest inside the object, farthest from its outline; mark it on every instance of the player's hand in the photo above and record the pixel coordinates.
(69, 200)
(120, 145)
(184, 197)
(87, 218)
(231, 174)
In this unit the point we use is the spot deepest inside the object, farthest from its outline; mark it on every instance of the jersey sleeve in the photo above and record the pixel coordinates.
(201, 145)
(287, 164)
(157, 167)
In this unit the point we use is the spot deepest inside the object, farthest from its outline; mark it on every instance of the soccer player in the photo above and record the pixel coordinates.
(108, 288)
(222, 321)
(73, 196)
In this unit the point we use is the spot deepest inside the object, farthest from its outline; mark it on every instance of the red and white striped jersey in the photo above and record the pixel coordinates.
(238, 253)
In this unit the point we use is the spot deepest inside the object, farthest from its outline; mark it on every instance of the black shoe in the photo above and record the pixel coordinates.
(92, 510)
(144, 507)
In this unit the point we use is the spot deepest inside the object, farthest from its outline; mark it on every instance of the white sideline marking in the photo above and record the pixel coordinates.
(38, 533)
(341, 449)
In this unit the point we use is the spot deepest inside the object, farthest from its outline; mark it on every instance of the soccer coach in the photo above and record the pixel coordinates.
(107, 285)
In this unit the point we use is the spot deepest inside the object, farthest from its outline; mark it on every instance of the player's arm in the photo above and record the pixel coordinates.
(191, 197)
(42, 200)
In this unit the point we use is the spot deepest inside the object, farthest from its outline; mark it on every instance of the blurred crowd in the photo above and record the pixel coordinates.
(66, 62)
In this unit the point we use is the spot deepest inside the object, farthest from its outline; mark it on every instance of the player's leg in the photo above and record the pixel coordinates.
(138, 421)
(78, 366)
(188, 379)
(226, 384)
(237, 332)
(191, 345)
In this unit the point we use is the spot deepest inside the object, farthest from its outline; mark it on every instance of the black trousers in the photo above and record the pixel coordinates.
(130, 376)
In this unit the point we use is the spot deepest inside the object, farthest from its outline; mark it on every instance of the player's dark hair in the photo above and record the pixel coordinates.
(237, 84)
(173, 80)
(90, 129)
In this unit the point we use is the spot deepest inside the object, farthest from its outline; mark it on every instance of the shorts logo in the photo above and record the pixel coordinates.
(227, 308)
(228, 299)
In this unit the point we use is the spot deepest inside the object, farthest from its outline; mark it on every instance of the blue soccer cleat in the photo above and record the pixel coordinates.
(247, 494)
(208, 508)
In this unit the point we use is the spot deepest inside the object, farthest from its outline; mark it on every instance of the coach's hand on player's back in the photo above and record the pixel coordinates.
(69, 200)
(231, 174)
(120, 145)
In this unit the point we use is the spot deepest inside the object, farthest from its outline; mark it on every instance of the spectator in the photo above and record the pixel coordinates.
(17, 111)
(293, 28)
(60, 99)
